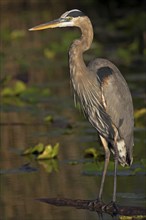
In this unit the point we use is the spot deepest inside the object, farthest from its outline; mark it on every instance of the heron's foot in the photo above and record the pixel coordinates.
(112, 207)
(96, 205)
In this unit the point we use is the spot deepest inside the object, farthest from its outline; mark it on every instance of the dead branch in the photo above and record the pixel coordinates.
(97, 206)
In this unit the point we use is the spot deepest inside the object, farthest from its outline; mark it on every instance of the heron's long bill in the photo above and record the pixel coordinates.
(51, 24)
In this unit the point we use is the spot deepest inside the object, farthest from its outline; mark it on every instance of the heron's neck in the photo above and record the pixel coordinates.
(87, 35)
(76, 62)
(84, 43)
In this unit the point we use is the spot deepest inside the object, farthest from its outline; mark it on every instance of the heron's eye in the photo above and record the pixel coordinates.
(68, 18)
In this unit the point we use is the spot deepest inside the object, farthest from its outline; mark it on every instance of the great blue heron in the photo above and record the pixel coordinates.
(102, 92)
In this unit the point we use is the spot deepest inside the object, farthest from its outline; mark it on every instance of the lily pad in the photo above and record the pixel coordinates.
(49, 152)
(91, 152)
(48, 118)
(42, 152)
(16, 89)
(34, 150)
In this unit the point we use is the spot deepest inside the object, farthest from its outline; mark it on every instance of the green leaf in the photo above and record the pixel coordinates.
(34, 150)
(91, 152)
(43, 152)
(48, 118)
(55, 150)
(7, 92)
(49, 152)
(17, 88)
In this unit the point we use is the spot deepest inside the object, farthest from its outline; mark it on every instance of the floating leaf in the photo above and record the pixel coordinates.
(34, 150)
(17, 88)
(49, 152)
(55, 150)
(43, 152)
(91, 152)
(48, 118)
(7, 92)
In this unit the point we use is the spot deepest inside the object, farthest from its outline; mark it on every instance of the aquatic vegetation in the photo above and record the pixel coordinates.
(19, 93)
(33, 115)
(95, 168)
(48, 118)
(37, 149)
(42, 152)
(91, 152)
(15, 89)
(140, 117)
(49, 152)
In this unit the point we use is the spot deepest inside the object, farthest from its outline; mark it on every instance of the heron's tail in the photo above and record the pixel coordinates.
(129, 159)
(126, 162)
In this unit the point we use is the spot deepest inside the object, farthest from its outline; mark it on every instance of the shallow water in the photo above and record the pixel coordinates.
(24, 179)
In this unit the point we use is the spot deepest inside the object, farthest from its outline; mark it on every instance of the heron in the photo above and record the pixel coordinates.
(103, 94)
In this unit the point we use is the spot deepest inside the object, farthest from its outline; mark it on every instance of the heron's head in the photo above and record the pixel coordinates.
(68, 19)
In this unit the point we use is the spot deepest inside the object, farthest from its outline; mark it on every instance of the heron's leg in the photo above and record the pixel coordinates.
(113, 202)
(115, 174)
(107, 157)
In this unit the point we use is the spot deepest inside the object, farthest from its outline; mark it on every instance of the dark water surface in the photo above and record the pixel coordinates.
(23, 179)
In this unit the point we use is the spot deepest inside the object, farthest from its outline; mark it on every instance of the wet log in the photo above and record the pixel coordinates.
(97, 206)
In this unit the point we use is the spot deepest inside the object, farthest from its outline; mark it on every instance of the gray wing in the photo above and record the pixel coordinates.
(117, 99)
